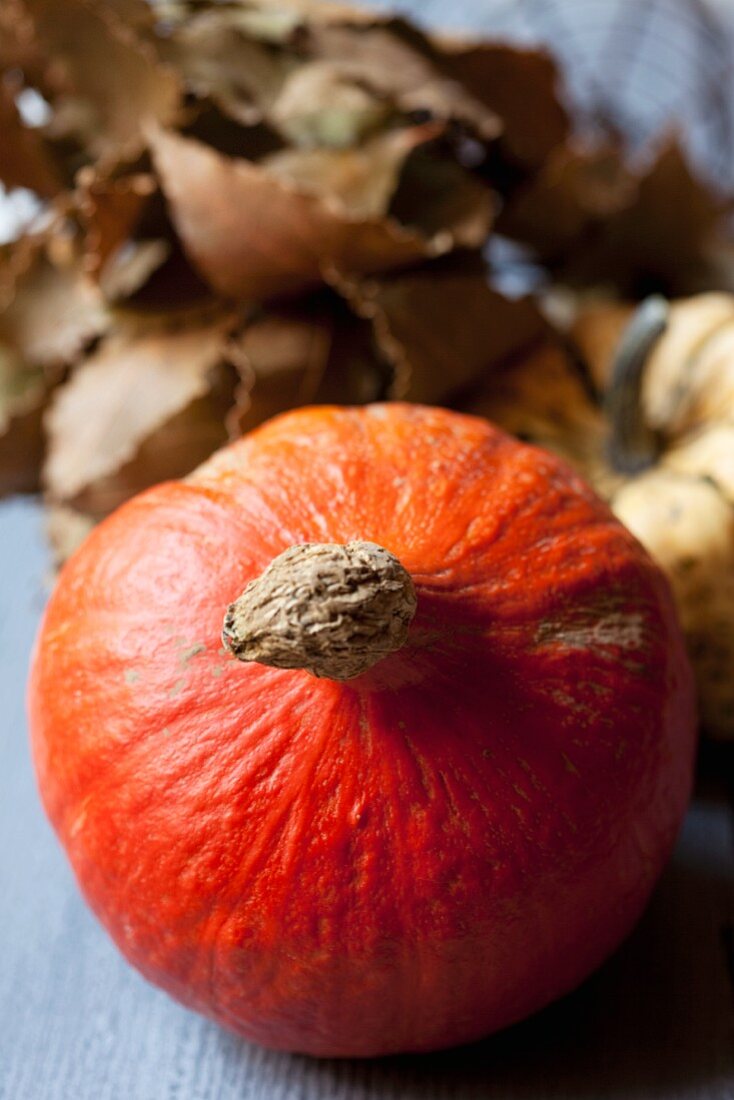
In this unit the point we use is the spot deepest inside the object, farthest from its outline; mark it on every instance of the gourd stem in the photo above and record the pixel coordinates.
(331, 609)
(633, 445)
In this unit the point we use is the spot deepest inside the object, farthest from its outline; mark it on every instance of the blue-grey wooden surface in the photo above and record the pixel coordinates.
(76, 1023)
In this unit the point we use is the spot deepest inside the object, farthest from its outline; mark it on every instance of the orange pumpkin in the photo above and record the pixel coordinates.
(452, 818)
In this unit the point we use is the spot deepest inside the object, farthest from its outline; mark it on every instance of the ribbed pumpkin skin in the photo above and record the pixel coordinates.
(408, 860)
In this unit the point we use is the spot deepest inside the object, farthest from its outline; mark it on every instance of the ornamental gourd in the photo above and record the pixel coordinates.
(652, 429)
(372, 735)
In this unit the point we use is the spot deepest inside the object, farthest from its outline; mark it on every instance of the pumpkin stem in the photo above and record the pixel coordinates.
(331, 609)
(633, 445)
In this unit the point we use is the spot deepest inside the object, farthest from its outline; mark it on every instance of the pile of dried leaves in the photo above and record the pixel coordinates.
(252, 205)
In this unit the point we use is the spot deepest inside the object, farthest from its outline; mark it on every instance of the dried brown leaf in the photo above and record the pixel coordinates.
(19, 46)
(112, 84)
(25, 159)
(130, 246)
(258, 19)
(52, 309)
(574, 193)
(313, 351)
(133, 13)
(281, 358)
(358, 182)
(395, 59)
(130, 268)
(278, 23)
(220, 60)
(407, 173)
(519, 86)
(356, 372)
(171, 285)
(442, 328)
(318, 106)
(23, 392)
(440, 199)
(148, 405)
(206, 122)
(661, 235)
(266, 22)
(47, 314)
(593, 219)
(253, 236)
(110, 209)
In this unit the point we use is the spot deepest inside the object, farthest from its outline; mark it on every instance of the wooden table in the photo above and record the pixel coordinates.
(76, 1023)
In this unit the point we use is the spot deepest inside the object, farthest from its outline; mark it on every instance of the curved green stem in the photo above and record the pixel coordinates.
(634, 445)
